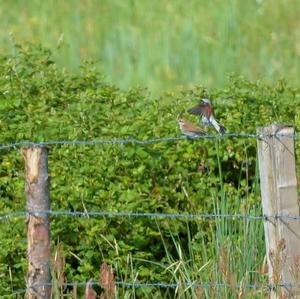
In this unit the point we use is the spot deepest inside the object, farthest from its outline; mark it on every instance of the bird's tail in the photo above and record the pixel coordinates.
(217, 126)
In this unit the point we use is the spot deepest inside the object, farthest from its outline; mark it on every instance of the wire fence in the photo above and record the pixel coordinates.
(156, 215)
(205, 285)
(138, 141)
(129, 214)
(145, 215)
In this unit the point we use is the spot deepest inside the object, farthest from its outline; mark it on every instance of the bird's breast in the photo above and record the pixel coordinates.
(205, 120)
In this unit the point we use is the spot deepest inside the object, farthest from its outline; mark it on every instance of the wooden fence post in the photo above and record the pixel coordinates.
(278, 182)
(38, 229)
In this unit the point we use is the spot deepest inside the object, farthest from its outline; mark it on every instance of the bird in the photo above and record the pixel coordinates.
(189, 129)
(206, 110)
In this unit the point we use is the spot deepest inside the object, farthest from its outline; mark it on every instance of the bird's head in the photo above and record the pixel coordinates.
(206, 101)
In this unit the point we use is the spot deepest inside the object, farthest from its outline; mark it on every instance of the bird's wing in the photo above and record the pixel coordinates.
(197, 110)
(201, 109)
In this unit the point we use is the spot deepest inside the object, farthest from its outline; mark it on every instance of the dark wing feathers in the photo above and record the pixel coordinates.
(202, 109)
(197, 110)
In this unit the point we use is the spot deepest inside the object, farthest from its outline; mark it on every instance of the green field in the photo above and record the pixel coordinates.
(163, 44)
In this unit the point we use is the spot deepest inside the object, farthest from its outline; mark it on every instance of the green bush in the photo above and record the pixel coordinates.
(42, 102)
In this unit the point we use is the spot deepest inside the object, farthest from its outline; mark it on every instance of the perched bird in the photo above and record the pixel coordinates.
(206, 110)
(189, 129)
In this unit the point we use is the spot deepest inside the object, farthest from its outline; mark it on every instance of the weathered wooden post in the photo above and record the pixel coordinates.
(38, 229)
(278, 182)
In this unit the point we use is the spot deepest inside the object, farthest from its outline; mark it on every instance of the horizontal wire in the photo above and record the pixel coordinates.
(135, 141)
(127, 214)
(146, 214)
(117, 141)
(194, 284)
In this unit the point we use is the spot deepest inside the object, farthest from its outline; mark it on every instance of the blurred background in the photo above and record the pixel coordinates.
(163, 44)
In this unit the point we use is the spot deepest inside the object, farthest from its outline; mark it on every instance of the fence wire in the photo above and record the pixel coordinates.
(145, 214)
(137, 141)
(18, 214)
(205, 285)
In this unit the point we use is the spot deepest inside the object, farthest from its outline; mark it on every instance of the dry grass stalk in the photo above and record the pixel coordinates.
(59, 264)
(200, 292)
(107, 281)
(89, 291)
(224, 267)
(264, 269)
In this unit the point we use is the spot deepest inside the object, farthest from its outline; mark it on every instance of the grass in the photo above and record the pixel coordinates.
(163, 44)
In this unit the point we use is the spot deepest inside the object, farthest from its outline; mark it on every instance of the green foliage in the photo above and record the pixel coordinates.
(40, 101)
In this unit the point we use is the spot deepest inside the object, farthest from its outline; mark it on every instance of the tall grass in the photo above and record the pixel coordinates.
(164, 44)
(229, 257)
